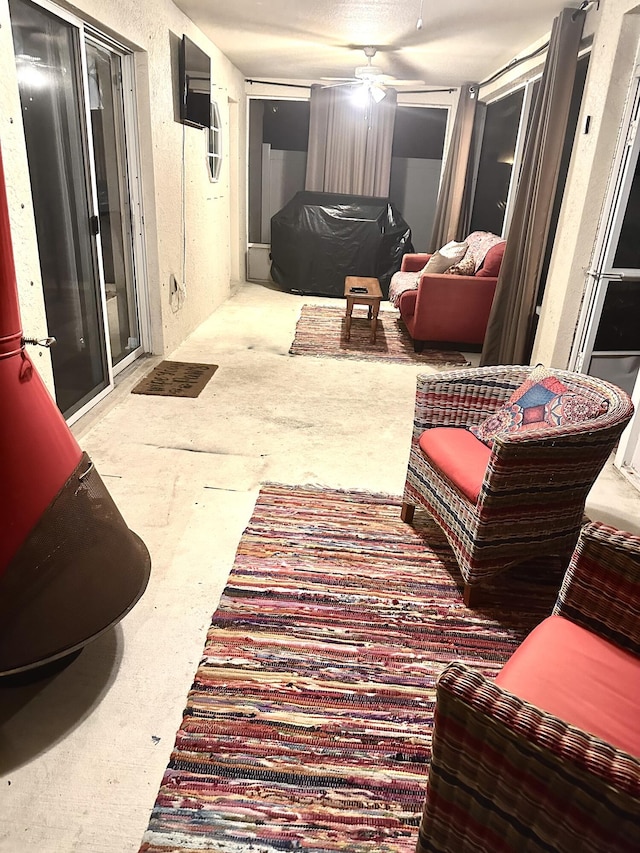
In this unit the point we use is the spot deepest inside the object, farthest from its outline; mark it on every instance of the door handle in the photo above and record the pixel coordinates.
(94, 225)
(614, 276)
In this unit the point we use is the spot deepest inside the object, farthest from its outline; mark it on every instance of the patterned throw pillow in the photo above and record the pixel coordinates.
(467, 266)
(541, 401)
(445, 257)
(480, 242)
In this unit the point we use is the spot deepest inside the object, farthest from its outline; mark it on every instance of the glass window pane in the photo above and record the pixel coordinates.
(418, 133)
(628, 250)
(416, 166)
(496, 163)
(215, 144)
(619, 328)
(278, 139)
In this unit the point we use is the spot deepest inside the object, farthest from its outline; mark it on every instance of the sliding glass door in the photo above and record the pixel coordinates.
(610, 341)
(73, 113)
(50, 81)
(110, 157)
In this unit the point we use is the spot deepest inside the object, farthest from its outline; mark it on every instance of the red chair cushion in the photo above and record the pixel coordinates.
(577, 676)
(492, 261)
(459, 456)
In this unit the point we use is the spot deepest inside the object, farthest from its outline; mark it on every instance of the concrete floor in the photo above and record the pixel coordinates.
(82, 755)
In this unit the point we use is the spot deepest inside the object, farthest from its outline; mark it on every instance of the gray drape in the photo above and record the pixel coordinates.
(512, 315)
(475, 150)
(349, 145)
(451, 217)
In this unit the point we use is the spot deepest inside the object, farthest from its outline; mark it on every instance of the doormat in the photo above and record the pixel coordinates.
(176, 379)
(308, 725)
(321, 332)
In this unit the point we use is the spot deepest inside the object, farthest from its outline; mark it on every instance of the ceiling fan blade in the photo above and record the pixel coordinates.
(335, 85)
(370, 75)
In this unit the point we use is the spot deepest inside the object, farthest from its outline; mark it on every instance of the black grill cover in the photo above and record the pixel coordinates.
(319, 238)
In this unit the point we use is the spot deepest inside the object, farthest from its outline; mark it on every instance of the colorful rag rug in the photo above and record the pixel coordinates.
(320, 331)
(308, 726)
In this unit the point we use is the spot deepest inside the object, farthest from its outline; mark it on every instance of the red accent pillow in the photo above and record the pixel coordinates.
(492, 261)
(541, 401)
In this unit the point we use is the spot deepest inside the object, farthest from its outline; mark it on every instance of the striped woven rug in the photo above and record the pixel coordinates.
(320, 331)
(308, 725)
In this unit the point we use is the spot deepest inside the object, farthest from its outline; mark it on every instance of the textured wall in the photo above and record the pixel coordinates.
(197, 248)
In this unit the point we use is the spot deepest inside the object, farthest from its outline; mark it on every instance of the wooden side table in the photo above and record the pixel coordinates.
(371, 296)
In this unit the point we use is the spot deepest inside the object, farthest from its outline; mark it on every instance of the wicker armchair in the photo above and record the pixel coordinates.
(508, 777)
(535, 483)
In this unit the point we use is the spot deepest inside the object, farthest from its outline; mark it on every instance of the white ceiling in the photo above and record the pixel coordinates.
(461, 40)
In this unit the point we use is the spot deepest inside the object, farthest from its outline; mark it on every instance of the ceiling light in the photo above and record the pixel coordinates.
(363, 94)
(360, 96)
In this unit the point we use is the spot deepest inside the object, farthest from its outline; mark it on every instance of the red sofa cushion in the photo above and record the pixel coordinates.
(577, 676)
(459, 455)
(493, 259)
(407, 304)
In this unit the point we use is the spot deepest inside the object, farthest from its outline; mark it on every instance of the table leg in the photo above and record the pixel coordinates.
(348, 318)
(374, 321)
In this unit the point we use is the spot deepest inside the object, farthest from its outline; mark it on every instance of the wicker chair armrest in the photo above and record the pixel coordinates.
(506, 776)
(581, 433)
(537, 466)
(463, 397)
(569, 455)
(601, 588)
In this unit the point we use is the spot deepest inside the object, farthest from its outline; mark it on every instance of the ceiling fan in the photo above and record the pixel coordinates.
(371, 78)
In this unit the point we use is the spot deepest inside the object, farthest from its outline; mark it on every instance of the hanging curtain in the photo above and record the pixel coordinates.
(350, 145)
(475, 149)
(508, 337)
(451, 218)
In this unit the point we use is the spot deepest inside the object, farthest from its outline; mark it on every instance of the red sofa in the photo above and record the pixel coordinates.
(450, 309)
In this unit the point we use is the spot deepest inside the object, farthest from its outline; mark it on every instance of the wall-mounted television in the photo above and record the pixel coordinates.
(195, 85)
